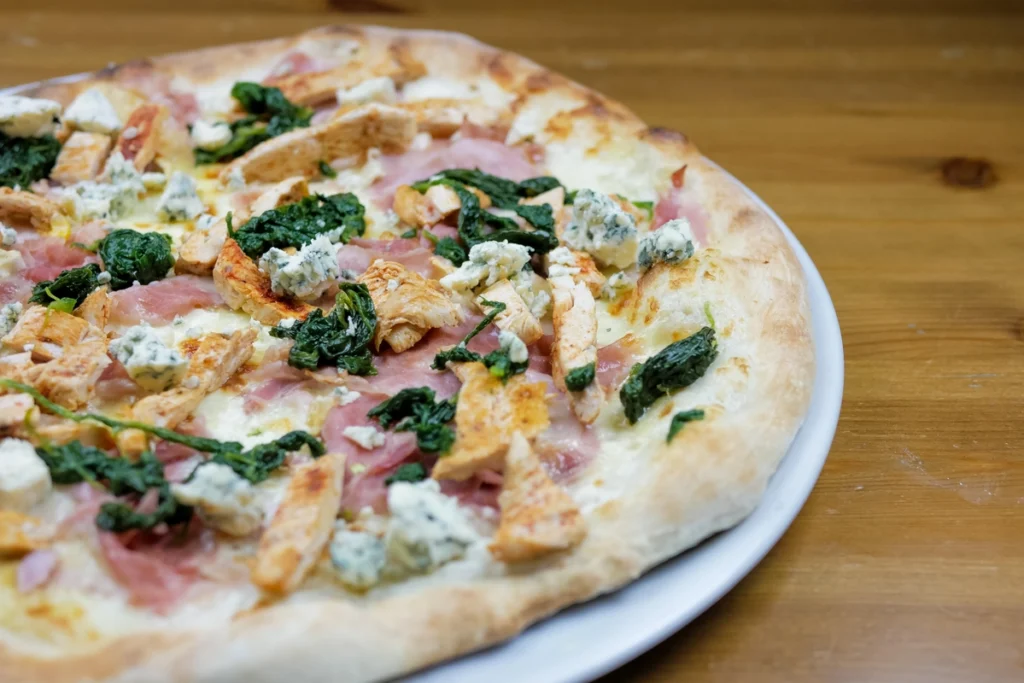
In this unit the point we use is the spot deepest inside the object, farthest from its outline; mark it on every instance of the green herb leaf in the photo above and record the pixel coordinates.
(74, 284)
(26, 160)
(459, 353)
(531, 187)
(580, 378)
(414, 410)
(270, 115)
(675, 367)
(410, 472)
(501, 366)
(409, 234)
(647, 206)
(131, 256)
(341, 338)
(326, 170)
(340, 216)
(679, 421)
(257, 463)
(707, 314)
(448, 247)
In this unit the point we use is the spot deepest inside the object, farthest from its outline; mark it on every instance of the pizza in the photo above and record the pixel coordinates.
(335, 356)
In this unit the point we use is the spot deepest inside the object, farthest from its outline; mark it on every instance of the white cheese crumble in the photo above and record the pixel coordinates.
(205, 222)
(537, 299)
(180, 201)
(367, 437)
(223, 499)
(345, 396)
(307, 274)
(24, 477)
(513, 346)
(209, 135)
(381, 89)
(392, 285)
(236, 179)
(117, 196)
(421, 141)
(130, 133)
(10, 262)
(152, 364)
(426, 528)
(561, 261)
(28, 117)
(601, 228)
(618, 284)
(103, 278)
(488, 263)
(153, 180)
(92, 112)
(8, 236)
(9, 317)
(358, 556)
(671, 243)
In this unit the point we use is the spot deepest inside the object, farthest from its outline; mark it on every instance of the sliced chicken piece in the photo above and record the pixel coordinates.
(639, 216)
(48, 332)
(27, 209)
(582, 266)
(70, 380)
(21, 533)
(81, 158)
(574, 314)
(319, 87)
(440, 266)
(537, 515)
(15, 411)
(198, 253)
(245, 287)
(554, 197)
(95, 310)
(212, 362)
(297, 152)
(59, 431)
(442, 117)
(489, 412)
(516, 317)
(424, 209)
(141, 134)
(302, 525)
(408, 304)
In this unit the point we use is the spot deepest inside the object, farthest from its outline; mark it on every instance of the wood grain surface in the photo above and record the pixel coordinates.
(890, 136)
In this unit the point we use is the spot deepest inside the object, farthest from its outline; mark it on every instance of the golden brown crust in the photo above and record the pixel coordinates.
(746, 272)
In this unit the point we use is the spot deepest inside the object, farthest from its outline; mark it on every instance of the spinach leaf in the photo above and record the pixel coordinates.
(679, 421)
(121, 517)
(580, 378)
(501, 366)
(340, 338)
(74, 284)
(675, 367)
(531, 187)
(410, 472)
(459, 353)
(131, 256)
(270, 115)
(326, 170)
(257, 463)
(26, 160)
(647, 206)
(409, 234)
(414, 410)
(340, 216)
(448, 247)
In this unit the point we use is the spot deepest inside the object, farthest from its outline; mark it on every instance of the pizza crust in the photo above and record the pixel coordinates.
(640, 510)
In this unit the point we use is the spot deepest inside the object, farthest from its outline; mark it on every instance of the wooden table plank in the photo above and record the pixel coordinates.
(907, 562)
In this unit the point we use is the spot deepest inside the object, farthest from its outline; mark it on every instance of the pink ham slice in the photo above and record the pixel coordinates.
(46, 257)
(157, 88)
(614, 363)
(14, 289)
(487, 155)
(35, 569)
(159, 302)
(682, 204)
(115, 383)
(358, 254)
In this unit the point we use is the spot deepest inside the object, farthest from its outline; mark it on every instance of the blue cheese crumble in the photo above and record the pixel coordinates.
(92, 112)
(112, 199)
(9, 317)
(488, 263)
(671, 243)
(8, 236)
(367, 437)
(24, 477)
(426, 528)
(601, 228)
(208, 136)
(357, 556)
(510, 343)
(28, 117)
(307, 274)
(223, 499)
(618, 284)
(148, 360)
(180, 201)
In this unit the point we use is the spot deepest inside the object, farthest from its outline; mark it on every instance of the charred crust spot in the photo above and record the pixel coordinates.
(498, 68)
(659, 134)
(966, 172)
(678, 176)
(314, 480)
(540, 81)
(138, 65)
(190, 346)
(667, 409)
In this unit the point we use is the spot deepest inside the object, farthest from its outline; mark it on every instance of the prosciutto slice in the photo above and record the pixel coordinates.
(358, 254)
(46, 257)
(14, 288)
(680, 203)
(159, 302)
(614, 362)
(35, 569)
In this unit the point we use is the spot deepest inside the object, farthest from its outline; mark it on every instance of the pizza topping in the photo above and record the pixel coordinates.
(23, 161)
(675, 367)
(679, 421)
(208, 136)
(24, 478)
(341, 338)
(36, 569)
(47, 333)
(339, 217)
(366, 437)
(269, 114)
(81, 158)
(578, 265)
(575, 346)
(537, 516)
(21, 533)
(358, 556)
(380, 89)
(28, 117)
(112, 199)
(426, 528)
(302, 525)
(92, 112)
(407, 304)
(160, 302)
(619, 284)
(22, 208)
(180, 201)
(671, 243)
(9, 317)
(516, 319)
(138, 141)
(72, 285)
(415, 410)
(149, 362)
(306, 274)
(602, 228)
(133, 257)
(488, 263)
(247, 288)
(580, 378)
(223, 499)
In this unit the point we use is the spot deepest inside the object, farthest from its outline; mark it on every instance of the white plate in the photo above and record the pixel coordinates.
(588, 640)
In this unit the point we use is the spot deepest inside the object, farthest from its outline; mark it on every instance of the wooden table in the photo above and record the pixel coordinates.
(907, 564)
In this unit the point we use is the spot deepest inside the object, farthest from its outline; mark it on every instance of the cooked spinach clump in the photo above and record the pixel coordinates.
(257, 463)
(415, 410)
(131, 256)
(270, 114)
(68, 290)
(679, 421)
(340, 338)
(477, 225)
(339, 216)
(26, 160)
(497, 361)
(411, 472)
(675, 367)
(448, 247)
(580, 378)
